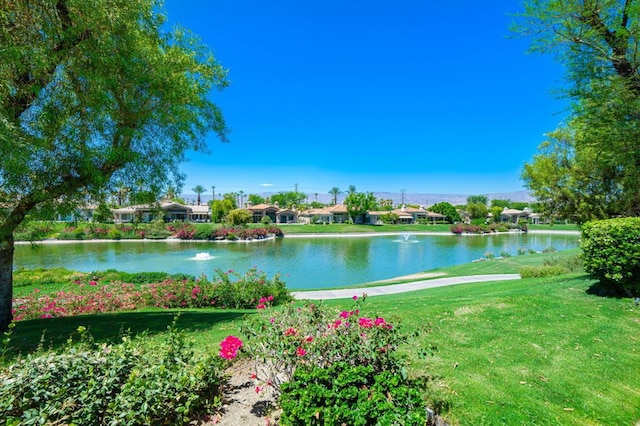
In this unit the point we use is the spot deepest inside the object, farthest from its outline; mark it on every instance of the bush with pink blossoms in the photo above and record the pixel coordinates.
(280, 340)
(92, 295)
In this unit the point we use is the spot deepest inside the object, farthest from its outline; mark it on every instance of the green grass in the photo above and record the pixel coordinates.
(344, 228)
(532, 351)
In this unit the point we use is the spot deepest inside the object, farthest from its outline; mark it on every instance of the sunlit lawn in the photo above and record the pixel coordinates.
(534, 351)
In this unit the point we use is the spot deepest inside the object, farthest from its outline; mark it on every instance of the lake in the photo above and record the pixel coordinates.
(305, 263)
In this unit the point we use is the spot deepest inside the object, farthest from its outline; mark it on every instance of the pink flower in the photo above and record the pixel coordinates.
(308, 339)
(365, 322)
(344, 314)
(380, 321)
(270, 298)
(261, 306)
(229, 347)
(258, 389)
(290, 331)
(337, 323)
(301, 352)
(93, 283)
(263, 300)
(355, 297)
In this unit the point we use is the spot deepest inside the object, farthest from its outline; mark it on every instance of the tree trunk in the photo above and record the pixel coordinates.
(6, 282)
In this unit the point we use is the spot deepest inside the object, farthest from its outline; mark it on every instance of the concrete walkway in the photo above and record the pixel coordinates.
(345, 293)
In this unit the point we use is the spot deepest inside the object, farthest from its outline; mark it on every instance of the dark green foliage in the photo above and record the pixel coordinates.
(446, 209)
(233, 290)
(130, 383)
(611, 253)
(353, 395)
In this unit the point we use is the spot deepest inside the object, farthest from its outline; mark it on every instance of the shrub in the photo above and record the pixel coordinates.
(488, 255)
(350, 394)
(266, 220)
(521, 251)
(542, 271)
(133, 382)
(611, 253)
(246, 291)
(239, 217)
(281, 340)
(504, 254)
(333, 368)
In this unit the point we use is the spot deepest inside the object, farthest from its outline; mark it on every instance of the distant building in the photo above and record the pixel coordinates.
(170, 212)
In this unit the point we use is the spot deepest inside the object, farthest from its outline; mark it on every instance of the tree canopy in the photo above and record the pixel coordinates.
(95, 96)
(590, 166)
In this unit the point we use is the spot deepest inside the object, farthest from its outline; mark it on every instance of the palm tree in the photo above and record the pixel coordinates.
(198, 189)
(335, 191)
(241, 201)
(213, 190)
(352, 189)
(171, 193)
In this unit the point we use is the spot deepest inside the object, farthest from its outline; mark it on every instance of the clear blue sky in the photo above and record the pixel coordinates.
(429, 97)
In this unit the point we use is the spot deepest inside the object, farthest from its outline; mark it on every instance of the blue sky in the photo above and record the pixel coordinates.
(429, 97)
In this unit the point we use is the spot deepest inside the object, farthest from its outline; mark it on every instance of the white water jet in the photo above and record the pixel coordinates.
(203, 256)
(406, 238)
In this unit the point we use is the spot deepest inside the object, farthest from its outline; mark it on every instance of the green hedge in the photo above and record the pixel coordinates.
(611, 253)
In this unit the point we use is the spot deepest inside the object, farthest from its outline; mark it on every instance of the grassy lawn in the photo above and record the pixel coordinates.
(344, 228)
(531, 351)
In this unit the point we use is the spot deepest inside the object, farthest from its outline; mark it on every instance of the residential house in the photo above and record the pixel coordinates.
(273, 212)
(332, 214)
(513, 215)
(170, 211)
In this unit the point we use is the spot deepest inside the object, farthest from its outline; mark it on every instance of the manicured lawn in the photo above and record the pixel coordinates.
(532, 351)
(343, 228)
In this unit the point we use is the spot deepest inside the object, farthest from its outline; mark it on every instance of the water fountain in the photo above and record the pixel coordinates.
(203, 256)
(406, 237)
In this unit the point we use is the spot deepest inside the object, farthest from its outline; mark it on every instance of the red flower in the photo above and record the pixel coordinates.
(365, 322)
(290, 331)
(301, 352)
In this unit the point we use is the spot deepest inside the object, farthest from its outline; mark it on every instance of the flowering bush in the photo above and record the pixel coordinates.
(239, 233)
(281, 340)
(333, 368)
(91, 295)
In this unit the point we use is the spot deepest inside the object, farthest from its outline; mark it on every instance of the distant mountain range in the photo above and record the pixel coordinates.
(398, 198)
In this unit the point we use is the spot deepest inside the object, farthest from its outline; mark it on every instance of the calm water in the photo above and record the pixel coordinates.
(305, 263)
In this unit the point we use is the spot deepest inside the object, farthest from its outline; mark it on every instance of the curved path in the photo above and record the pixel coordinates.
(345, 293)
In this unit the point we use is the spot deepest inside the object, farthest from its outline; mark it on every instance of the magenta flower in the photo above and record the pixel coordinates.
(93, 283)
(380, 321)
(229, 347)
(301, 352)
(355, 297)
(365, 322)
(261, 306)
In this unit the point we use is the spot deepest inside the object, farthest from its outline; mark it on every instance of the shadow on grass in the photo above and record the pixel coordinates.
(27, 335)
(611, 291)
